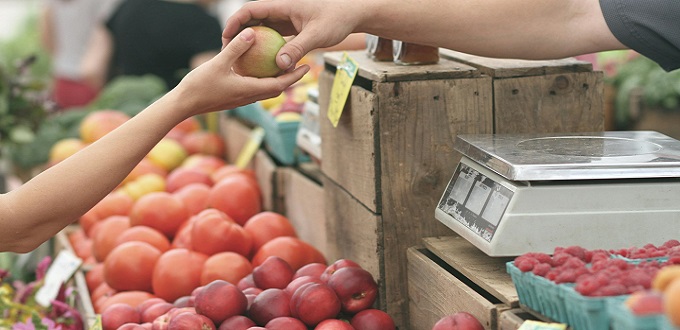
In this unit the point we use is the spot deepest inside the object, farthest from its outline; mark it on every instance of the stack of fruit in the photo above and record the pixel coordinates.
(185, 239)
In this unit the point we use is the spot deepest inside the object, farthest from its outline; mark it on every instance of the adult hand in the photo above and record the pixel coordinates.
(215, 86)
(313, 23)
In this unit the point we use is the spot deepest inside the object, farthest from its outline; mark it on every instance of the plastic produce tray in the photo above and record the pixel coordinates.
(623, 319)
(280, 138)
(538, 293)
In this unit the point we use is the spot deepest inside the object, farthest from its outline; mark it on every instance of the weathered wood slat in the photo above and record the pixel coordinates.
(487, 272)
(304, 205)
(435, 293)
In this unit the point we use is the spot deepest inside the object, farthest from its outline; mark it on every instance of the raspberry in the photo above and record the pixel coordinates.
(639, 254)
(574, 263)
(566, 276)
(674, 260)
(526, 264)
(621, 252)
(587, 285)
(649, 246)
(635, 277)
(576, 251)
(541, 257)
(560, 258)
(542, 269)
(615, 289)
(552, 274)
(657, 254)
(671, 243)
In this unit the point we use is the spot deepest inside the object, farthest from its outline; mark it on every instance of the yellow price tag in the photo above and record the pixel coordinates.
(344, 76)
(250, 148)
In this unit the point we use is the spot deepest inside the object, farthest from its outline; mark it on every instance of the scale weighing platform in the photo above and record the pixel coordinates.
(512, 194)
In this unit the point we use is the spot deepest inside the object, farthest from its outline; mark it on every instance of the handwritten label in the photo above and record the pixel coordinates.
(250, 148)
(344, 77)
(59, 272)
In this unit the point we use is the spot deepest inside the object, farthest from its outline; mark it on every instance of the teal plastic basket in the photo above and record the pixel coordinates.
(250, 113)
(623, 319)
(587, 313)
(526, 291)
(280, 139)
(538, 293)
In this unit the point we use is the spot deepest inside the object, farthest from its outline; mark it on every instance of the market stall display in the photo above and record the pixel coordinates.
(388, 160)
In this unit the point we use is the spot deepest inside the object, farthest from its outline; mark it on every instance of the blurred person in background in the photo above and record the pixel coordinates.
(166, 38)
(65, 27)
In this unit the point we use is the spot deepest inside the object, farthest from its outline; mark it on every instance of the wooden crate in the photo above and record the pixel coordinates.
(268, 176)
(392, 151)
(449, 275)
(541, 96)
(303, 205)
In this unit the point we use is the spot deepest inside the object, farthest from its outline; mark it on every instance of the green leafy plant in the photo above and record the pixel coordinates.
(657, 88)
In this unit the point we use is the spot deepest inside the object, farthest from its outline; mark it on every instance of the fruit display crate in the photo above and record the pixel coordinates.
(374, 157)
(280, 138)
(448, 274)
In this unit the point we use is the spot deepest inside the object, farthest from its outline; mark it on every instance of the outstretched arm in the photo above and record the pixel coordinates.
(37, 210)
(524, 29)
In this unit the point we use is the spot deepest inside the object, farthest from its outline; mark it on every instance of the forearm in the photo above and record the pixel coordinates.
(496, 28)
(60, 194)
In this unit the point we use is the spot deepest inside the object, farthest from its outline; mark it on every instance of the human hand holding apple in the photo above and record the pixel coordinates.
(260, 59)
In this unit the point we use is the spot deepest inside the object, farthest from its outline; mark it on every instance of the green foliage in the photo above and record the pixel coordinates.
(24, 77)
(660, 89)
(26, 43)
(129, 94)
(23, 104)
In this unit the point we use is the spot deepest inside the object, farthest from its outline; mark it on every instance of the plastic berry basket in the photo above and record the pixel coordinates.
(525, 284)
(281, 140)
(587, 313)
(551, 298)
(638, 261)
(251, 113)
(623, 319)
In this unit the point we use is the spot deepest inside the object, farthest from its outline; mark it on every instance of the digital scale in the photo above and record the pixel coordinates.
(512, 194)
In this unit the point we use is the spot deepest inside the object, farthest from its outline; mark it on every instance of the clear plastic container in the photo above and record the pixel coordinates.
(406, 53)
(378, 48)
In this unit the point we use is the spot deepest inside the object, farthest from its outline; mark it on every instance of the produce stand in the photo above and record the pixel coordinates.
(399, 125)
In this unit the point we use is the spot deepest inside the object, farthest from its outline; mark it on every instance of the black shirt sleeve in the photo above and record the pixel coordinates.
(650, 27)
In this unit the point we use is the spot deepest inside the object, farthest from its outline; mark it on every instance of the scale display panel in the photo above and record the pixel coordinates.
(476, 201)
(512, 194)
